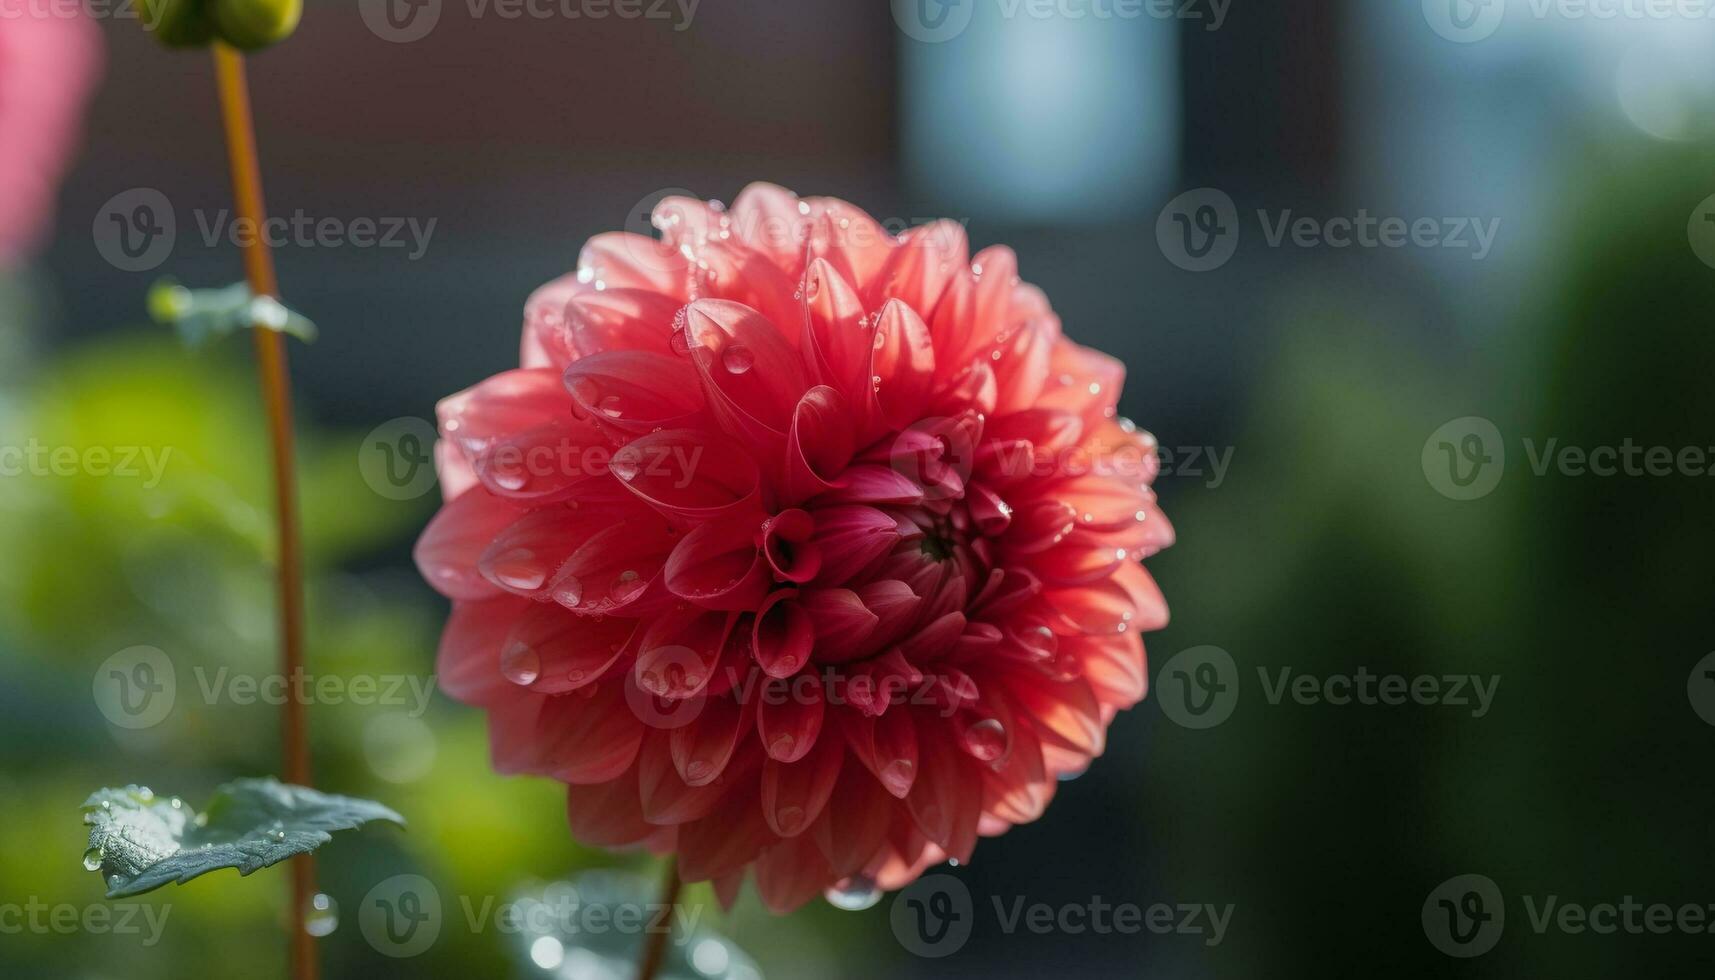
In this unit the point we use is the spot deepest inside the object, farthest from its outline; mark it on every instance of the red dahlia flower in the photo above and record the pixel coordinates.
(795, 545)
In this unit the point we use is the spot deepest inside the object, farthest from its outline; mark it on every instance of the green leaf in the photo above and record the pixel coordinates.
(201, 314)
(139, 841)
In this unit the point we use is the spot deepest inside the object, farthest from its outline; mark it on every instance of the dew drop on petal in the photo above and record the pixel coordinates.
(737, 359)
(92, 859)
(520, 664)
(790, 818)
(625, 466)
(854, 894)
(626, 585)
(568, 591)
(986, 739)
(897, 774)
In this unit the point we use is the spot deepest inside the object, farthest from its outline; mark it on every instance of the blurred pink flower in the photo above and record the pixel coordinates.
(796, 546)
(49, 61)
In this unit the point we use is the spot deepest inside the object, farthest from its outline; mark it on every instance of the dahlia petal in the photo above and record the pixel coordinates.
(936, 637)
(1020, 789)
(634, 392)
(719, 566)
(678, 654)
(783, 635)
(920, 268)
(525, 555)
(666, 798)
(623, 260)
(1082, 381)
(1040, 525)
(607, 814)
(587, 740)
(467, 664)
(552, 651)
(751, 374)
(1101, 502)
(868, 483)
(616, 570)
(1126, 600)
(842, 622)
(789, 716)
(1077, 563)
(767, 218)
(818, 446)
(689, 474)
(991, 513)
(546, 342)
(726, 889)
(1021, 364)
(702, 749)
(1114, 666)
(794, 793)
(452, 471)
(448, 552)
(838, 337)
(853, 826)
(895, 606)
(902, 364)
(790, 873)
(788, 545)
(620, 319)
(724, 841)
(849, 239)
(1063, 713)
(851, 537)
(887, 746)
(945, 802)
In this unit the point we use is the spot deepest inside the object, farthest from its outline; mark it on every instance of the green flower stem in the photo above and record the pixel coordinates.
(277, 398)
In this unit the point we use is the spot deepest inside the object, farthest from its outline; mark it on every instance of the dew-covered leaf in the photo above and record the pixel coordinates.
(140, 841)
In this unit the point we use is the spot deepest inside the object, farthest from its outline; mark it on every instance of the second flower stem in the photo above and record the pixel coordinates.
(275, 382)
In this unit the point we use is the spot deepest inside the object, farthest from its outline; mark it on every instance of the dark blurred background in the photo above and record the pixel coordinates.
(1329, 540)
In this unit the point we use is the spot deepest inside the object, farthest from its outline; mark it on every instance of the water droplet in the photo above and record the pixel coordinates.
(610, 406)
(781, 745)
(321, 915)
(568, 591)
(520, 664)
(516, 569)
(696, 772)
(626, 466)
(626, 586)
(737, 359)
(789, 818)
(986, 740)
(854, 894)
(92, 859)
(897, 774)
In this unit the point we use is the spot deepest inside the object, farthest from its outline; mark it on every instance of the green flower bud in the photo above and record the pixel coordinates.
(178, 23)
(251, 24)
